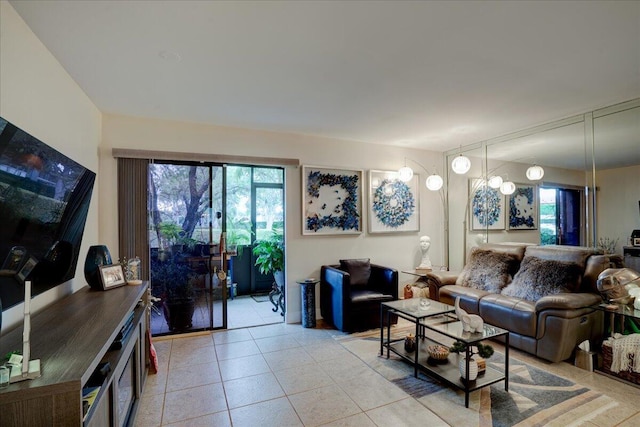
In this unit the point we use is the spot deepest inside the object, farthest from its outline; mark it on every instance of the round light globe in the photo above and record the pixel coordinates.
(461, 164)
(405, 174)
(495, 181)
(507, 188)
(434, 182)
(535, 173)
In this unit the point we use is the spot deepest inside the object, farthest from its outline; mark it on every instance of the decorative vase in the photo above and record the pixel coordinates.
(96, 256)
(473, 368)
(410, 343)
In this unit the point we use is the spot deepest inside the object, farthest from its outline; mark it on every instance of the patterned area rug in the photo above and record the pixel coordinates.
(535, 397)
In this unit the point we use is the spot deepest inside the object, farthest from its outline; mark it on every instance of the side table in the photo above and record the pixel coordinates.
(308, 302)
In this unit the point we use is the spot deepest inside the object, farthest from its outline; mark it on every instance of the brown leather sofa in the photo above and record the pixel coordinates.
(542, 294)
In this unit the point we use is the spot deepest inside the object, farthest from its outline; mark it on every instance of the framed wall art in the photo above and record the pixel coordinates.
(523, 208)
(393, 204)
(111, 276)
(331, 201)
(486, 206)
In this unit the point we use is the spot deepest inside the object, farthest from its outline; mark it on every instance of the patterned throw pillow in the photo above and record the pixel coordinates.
(539, 277)
(488, 270)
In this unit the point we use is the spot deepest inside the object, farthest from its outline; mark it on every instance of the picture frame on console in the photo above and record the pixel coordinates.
(26, 269)
(394, 205)
(331, 201)
(111, 276)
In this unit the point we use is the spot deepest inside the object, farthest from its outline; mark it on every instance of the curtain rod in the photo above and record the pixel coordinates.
(203, 157)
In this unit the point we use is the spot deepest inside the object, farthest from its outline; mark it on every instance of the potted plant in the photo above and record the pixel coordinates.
(171, 281)
(270, 257)
(483, 350)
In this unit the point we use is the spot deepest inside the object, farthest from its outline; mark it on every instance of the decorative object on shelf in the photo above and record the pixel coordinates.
(410, 343)
(438, 352)
(614, 284)
(424, 303)
(96, 256)
(485, 351)
(470, 322)
(607, 245)
(487, 208)
(393, 204)
(523, 208)
(111, 276)
(425, 262)
(331, 201)
(131, 267)
(408, 292)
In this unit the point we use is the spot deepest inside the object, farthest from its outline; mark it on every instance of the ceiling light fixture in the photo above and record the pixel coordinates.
(495, 181)
(405, 174)
(507, 188)
(434, 182)
(461, 164)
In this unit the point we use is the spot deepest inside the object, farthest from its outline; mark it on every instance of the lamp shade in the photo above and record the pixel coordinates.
(434, 182)
(535, 173)
(405, 174)
(495, 181)
(507, 188)
(461, 164)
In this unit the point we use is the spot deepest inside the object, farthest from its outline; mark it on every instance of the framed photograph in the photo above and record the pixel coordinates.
(331, 201)
(12, 264)
(26, 269)
(486, 206)
(636, 241)
(393, 204)
(523, 208)
(111, 276)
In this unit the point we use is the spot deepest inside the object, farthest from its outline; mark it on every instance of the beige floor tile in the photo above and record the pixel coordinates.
(345, 367)
(248, 390)
(219, 419)
(276, 413)
(323, 351)
(229, 336)
(150, 410)
(290, 358)
(241, 367)
(268, 331)
(193, 402)
(371, 391)
(632, 421)
(358, 420)
(277, 343)
(303, 378)
(189, 343)
(156, 383)
(195, 356)
(322, 405)
(311, 336)
(407, 412)
(193, 375)
(236, 349)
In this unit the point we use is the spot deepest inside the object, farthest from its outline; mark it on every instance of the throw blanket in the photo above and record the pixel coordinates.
(625, 350)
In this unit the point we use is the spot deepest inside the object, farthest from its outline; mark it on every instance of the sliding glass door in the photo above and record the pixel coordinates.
(561, 212)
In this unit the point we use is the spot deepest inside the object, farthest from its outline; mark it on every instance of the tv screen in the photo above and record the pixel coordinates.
(44, 201)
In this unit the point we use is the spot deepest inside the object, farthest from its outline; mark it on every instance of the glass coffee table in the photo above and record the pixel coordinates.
(434, 324)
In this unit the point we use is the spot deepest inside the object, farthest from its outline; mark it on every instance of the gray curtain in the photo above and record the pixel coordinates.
(133, 176)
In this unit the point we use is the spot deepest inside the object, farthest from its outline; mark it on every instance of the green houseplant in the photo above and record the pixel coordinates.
(482, 350)
(270, 257)
(171, 281)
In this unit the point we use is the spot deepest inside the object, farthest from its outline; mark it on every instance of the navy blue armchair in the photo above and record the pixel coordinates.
(351, 293)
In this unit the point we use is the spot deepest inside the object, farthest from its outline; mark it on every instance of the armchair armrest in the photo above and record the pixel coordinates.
(384, 279)
(568, 301)
(437, 279)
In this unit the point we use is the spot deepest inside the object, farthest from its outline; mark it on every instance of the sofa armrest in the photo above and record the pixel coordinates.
(437, 279)
(384, 279)
(567, 301)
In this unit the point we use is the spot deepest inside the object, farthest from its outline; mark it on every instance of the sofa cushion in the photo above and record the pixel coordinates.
(488, 270)
(469, 297)
(540, 277)
(510, 313)
(358, 269)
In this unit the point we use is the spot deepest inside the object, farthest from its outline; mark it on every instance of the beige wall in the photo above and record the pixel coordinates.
(305, 254)
(617, 200)
(37, 95)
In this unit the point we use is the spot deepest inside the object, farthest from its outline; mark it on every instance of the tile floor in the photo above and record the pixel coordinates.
(286, 375)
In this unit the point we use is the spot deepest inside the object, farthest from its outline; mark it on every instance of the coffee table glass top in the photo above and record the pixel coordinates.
(412, 307)
(452, 328)
(623, 309)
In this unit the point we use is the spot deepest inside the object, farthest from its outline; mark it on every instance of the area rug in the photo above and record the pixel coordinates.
(260, 298)
(535, 397)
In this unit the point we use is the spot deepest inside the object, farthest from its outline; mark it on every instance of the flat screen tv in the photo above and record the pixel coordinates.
(44, 201)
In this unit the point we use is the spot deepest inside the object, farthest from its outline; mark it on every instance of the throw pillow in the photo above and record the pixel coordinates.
(540, 277)
(488, 270)
(358, 269)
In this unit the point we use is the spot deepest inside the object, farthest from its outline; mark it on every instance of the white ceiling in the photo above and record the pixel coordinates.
(431, 75)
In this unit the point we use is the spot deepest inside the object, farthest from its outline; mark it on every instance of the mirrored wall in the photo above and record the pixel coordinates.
(590, 188)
